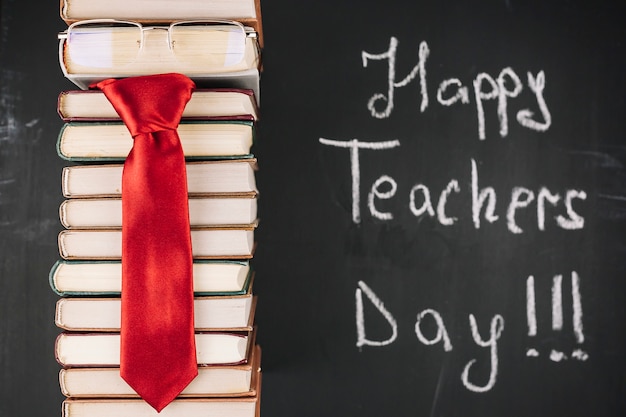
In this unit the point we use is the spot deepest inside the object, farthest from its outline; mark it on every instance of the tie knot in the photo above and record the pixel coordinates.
(149, 103)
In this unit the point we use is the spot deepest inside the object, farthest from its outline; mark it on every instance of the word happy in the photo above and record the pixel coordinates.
(452, 91)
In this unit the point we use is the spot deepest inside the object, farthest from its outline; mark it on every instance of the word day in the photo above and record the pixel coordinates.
(483, 198)
(486, 337)
(441, 336)
(505, 86)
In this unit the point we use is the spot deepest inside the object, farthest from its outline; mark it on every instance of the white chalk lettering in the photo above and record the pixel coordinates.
(557, 356)
(497, 90)
(441, 335)
(543, 196)
(478, 200)
(579, 354)
(517, 201)
(556, 293)
(461, 93)
(483, 199)
(525, 117)
(426, 205)
(557, 302)
(362, 340)
(560, 209)
(531, 313)
(451, 91)
(376, 193)
(503, 93)
(392, 84)
(480, 96)
(453, 185)
(495, 330)
(354, 145)
(574, 221)
(577, 307)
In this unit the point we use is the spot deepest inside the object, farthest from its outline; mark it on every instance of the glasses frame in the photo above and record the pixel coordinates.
(66, 35)
(85, 80)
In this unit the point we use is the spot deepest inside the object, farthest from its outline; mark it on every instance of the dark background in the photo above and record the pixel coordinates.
(312, 257)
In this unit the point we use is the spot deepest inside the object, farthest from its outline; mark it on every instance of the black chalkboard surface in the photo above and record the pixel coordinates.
(443, 208)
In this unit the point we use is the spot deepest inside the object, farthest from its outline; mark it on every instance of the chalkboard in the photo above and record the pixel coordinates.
(443, 208)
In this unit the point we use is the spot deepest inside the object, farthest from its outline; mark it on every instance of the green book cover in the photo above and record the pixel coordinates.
(60, 266)
(110, 141)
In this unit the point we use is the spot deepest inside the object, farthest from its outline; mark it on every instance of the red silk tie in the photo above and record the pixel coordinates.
(158, 354)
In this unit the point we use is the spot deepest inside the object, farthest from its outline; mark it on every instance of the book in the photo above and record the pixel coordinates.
(216, 380)
(94, 213)
(98, 278)
(207, 243)
(247, 12)
(245, 406)
(225, 177)
(222, 55)
(74, 349)
(212, 313)
(112, 141)
(217, 104)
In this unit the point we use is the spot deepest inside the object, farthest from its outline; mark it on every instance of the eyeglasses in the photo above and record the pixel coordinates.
(108, 43)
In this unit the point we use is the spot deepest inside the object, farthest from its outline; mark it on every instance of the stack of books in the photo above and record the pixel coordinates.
(217, 133)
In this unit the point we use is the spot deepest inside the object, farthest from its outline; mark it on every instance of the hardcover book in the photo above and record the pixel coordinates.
(104, 314)
(112, 141)
(207, 243)
(212, 381)
(98, 278)
(245, 406)
(213, 104)
(217, 177)
(73, 349)
(221, 55)
(106, 213)
(247, 12)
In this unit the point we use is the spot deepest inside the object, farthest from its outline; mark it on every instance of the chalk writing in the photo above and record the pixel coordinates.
(495, 331)
(557, 303)
(442, 333)
(556, 293)
(547, 207)
(484, 198)
(376, 193)
(392, 84)
(531, 313)
(497, 88)
(525, 117)
(496, 328)
(441, 336)
(577, 308)
(354, 145)
(360, 321)
(461, 92)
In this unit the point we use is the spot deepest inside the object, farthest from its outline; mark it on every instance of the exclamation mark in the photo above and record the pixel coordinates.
(577, 318)
(531, 314)
(557, 313)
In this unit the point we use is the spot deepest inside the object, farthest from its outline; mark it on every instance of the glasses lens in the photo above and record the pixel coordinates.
(103, 44)
(209, 43)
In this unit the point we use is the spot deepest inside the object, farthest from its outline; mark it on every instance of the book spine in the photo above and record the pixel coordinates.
(52, 279)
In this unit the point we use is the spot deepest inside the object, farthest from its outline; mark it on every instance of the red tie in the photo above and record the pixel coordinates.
(158, 354)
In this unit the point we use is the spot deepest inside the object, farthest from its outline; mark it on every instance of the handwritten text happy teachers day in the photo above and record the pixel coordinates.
(507, 85)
